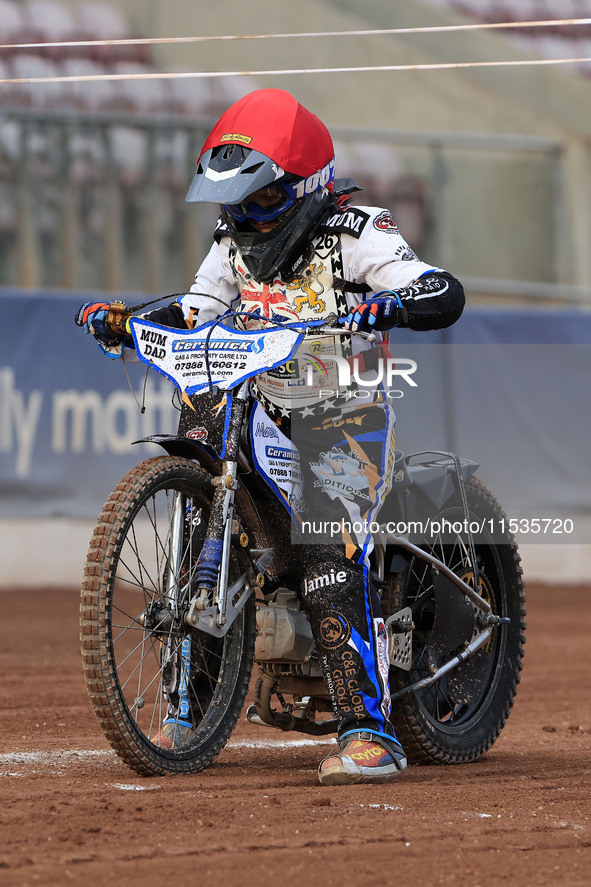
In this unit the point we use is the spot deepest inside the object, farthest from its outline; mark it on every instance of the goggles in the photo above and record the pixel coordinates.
(289, 192)
(248, 209)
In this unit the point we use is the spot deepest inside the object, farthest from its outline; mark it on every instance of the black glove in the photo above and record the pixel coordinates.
(381, 313)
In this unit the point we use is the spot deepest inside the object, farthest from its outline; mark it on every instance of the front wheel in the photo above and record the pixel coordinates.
(143, 666)
(459, 717)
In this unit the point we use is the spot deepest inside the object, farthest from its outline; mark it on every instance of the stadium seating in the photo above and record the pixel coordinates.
(41, 96)
(93, 96)
(141, 96)
(49, 21)
(552, 42)
(106, 160)
(13, 25)
(104, 21)
(190, 95)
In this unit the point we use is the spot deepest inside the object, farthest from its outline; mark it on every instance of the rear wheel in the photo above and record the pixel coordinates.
(460, 716)
(142, 664)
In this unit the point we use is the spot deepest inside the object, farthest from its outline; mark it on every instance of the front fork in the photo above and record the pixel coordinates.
(211, 577)
(175, 554)
(211, 606)
(209, 609)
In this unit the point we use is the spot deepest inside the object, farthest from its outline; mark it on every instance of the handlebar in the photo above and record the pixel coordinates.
(119, 314)
(331, 328)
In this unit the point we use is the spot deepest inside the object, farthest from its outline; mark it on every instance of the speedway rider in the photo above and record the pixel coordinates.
(290, 245)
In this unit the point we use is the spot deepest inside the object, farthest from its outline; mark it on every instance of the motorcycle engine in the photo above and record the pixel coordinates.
(283, 630)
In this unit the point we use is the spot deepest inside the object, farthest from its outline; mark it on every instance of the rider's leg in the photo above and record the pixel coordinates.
(346, 462)
(350, 635)
(346, 620)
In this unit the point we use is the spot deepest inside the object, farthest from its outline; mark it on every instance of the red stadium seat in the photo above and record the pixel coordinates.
(190, 96)
(103, 21)
(15, 95)
(49, 21)
(42, 96)
(13, 25)
(142, 96)
(129, 153)
(94, 95)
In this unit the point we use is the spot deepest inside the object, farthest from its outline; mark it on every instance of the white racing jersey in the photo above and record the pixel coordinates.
(358, 245)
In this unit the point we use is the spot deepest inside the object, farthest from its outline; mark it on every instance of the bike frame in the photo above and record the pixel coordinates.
(214, 607)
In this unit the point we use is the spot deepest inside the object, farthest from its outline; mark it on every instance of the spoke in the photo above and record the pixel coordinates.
(140, 692)
(212, 654)
(133, 544)
(134, 581)
(134, 625)
(160, 547)
(158, 674)
(136, 648)
(421, 659)
(435, 700)
(166, 529)
(142, 581)
(141, 660)
(138, 627)
(157, 707)
(208, 675)
(140, 674)
(441, 696)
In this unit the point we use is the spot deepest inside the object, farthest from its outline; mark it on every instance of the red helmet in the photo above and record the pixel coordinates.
(268, 138)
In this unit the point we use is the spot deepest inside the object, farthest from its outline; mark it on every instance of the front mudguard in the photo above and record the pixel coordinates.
(187, 448)
(179, 445)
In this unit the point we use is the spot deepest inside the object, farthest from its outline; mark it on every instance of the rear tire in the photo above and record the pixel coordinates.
(131, 634)
(458, 718)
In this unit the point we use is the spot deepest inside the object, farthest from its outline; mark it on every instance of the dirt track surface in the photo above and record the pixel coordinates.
(71, 812)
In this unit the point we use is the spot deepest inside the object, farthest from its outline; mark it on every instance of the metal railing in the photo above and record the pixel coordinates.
(96, 202)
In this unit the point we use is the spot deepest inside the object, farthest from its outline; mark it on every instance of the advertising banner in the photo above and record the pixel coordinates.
(505, 388)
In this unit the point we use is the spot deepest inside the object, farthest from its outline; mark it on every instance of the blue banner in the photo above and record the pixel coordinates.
(68, 416)
(506, 388)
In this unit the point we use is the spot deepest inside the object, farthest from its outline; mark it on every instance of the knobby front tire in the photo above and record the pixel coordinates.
(141, 662)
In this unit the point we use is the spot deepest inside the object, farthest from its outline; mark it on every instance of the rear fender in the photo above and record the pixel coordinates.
(421, 490)
(436, 479)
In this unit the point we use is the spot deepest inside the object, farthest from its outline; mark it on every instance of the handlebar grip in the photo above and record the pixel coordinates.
(117, 318)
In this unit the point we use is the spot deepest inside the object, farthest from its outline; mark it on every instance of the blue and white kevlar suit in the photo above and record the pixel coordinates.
(345, 446)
